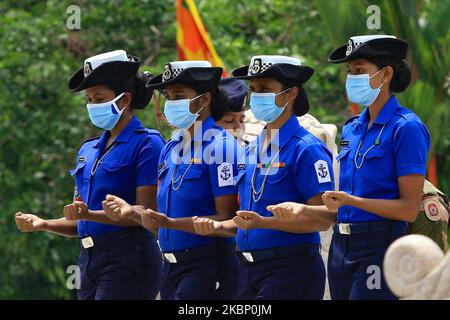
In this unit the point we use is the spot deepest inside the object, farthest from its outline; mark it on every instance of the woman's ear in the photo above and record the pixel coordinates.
(293, 93)
(125, 100)
(388, 74)
(205, 100)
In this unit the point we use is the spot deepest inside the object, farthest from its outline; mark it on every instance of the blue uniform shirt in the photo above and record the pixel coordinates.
(302, 170)
(401, 150)
(189, 189)
(130, 162)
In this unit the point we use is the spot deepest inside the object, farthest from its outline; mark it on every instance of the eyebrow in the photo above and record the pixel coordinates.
(177, 91)
(96, 95)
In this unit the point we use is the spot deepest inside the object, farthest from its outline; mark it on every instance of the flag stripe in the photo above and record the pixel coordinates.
(193, 41)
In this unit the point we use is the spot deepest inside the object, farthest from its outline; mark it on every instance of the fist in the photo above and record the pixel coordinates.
(247, 220)
(153, 220)
(76, 211)
(286, 210)
(206, 226)
(333, 200)
(116, 208)
(29, 222)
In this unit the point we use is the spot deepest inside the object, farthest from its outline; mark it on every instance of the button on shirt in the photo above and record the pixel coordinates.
(130, 162)
(189, 188)
(302, 170)
(401, 149)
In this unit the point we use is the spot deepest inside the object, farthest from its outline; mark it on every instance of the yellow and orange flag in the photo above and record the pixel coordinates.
(193, 41)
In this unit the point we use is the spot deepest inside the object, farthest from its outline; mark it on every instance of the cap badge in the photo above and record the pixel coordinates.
(256, 67)
(349, 47)
(167, 74)
(87, 69)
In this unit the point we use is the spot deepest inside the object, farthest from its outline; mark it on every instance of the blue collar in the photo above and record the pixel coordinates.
(133, 126)
(385, 114)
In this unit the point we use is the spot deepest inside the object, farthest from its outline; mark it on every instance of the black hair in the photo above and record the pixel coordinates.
(402, 71)
(219, 99)
(140, 94)
(301, 103)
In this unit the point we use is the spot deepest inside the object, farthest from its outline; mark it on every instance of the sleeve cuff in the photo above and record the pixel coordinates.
(316, 189)
(412, 169)
(225, 191)
(146, 183)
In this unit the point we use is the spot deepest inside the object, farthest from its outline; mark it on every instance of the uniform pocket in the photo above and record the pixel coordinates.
(190, 182)
(113, 167)
(277, 177)
(239, 177)
(118, 176)
(193, 172)
(81, 180)
(375, 153)
(344, 152)
(162, 173)
(344, 169)
(78, 168)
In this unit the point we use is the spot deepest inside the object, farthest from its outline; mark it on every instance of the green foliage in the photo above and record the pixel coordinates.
(427, 28)
(42, 124)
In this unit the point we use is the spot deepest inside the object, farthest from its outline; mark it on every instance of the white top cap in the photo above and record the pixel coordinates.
(259, 64)
(95, 61)
(358, 40)
(173, 69)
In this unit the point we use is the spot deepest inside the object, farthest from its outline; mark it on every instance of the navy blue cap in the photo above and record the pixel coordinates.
(237, 93)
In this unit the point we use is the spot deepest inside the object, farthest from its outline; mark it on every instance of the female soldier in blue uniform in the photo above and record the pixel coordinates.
(196, 173)
(279, 260)
(118, 260)
(382, 168)
(234, 116)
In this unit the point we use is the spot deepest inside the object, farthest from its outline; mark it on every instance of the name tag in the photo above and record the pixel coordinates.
(344, 143)
(87, 242)
(241, 166)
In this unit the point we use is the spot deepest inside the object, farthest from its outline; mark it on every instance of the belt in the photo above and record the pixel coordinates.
(113, 238)
(199, 252)
(248, 257)
(366, 227)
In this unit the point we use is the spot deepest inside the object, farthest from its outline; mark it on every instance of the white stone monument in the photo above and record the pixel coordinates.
(416, 268)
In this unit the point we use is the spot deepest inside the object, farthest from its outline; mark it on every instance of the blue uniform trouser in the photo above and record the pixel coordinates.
(300, 275)
(206, 273)
(122, 265)
(355, 264)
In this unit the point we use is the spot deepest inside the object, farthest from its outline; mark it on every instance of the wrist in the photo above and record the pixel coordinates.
(349, 200)
(87, 214)
(170, 223)
(219, 226)
(44, 226)
(263, 223)
(299, 209)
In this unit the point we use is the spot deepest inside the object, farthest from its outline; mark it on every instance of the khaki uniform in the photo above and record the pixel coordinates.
(433, 217)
